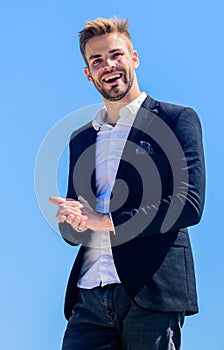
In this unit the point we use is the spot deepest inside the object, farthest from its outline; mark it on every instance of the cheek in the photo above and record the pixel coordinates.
(94, 74)
(127, 64)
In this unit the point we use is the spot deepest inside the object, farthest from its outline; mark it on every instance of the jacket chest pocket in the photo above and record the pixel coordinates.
(144, 177)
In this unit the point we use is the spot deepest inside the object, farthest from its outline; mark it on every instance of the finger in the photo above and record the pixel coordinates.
(69, 211)
(56, 200)
(67, 201)
(71, 203)
(76, 221)
(61, 218)
(87, 211)
(82, 220)
(70, 219)
(83, 223)
(84, 201)
(81, 227)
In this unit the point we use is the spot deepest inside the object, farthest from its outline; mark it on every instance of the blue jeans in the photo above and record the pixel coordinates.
(106, 318)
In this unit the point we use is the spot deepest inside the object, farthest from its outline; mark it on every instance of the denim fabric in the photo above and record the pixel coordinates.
(106, 318)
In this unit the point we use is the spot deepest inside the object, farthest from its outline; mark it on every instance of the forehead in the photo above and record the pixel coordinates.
(105, 43)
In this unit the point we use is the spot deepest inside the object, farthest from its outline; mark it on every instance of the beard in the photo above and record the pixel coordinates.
(115, 93)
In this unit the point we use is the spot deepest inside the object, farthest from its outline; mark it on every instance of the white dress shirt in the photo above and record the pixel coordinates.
(98, 265)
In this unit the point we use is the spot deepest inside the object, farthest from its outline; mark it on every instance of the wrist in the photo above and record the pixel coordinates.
(107, 222)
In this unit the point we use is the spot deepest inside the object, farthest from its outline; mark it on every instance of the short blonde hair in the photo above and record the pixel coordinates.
(101, 26)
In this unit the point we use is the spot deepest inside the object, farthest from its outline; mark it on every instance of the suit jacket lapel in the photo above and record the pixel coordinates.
(87, 176)
(143, 120)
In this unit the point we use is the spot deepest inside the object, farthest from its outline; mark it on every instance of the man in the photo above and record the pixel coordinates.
(136, 182)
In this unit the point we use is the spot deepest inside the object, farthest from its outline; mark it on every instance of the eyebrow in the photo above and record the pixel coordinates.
(92, 57)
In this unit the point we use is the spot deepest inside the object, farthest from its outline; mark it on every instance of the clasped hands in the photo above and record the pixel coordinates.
(80, 215)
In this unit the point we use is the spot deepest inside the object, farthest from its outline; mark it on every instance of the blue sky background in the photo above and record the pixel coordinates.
(180, 44)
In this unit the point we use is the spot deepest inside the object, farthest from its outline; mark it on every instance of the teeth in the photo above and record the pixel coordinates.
(112, 77)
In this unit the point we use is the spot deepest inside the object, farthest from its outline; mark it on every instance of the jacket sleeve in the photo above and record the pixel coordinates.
(184, 206)
(70, 235)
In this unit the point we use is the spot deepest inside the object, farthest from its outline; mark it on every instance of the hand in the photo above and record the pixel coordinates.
(80, 215)
(69, 211)
(94, 220)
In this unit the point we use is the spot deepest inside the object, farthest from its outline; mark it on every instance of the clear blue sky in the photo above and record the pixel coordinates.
(181, 50)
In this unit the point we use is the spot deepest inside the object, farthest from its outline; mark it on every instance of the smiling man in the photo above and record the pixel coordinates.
(116, 83)
(136, 182)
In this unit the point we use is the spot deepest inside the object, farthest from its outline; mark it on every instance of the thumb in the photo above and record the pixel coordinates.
(84, 201)
(56, 200)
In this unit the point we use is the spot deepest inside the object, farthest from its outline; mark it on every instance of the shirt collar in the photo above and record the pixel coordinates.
(99, 120)
(127, 113)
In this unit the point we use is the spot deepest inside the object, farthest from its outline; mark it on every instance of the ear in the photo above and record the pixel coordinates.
(135, 59)
(88, 74)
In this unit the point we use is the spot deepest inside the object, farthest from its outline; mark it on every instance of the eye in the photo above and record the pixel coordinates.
(117, 54)
(97, 61)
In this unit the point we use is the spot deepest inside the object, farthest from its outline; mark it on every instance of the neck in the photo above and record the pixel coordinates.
(114, 107)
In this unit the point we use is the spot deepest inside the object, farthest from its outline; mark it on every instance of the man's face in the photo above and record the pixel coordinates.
(111, 65)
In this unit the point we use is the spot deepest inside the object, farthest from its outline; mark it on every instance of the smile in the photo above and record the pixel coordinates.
(112, 78)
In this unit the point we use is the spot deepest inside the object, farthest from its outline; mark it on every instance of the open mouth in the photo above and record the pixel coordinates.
(113, 78)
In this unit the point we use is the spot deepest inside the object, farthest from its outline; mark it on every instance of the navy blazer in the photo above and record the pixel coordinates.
(158, 193)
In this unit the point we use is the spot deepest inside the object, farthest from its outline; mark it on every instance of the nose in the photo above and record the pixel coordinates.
(109, 63)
